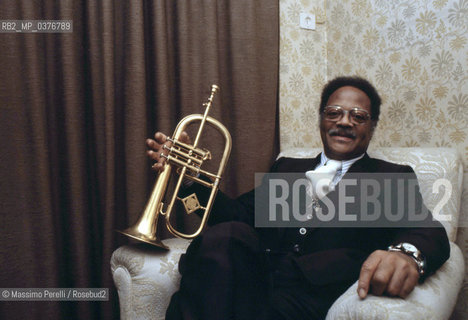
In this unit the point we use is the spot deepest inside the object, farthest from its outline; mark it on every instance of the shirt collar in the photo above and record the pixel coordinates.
(346, 164)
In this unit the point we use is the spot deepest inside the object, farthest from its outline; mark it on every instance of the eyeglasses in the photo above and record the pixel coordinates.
(335, 113)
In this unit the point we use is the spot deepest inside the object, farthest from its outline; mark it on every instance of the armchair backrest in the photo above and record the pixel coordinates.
(430, 165)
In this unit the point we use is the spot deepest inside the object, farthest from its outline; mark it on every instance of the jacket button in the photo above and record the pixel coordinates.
(302, 231)
(296, 248)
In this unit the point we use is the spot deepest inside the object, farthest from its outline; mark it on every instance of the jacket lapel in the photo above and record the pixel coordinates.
(362, 165)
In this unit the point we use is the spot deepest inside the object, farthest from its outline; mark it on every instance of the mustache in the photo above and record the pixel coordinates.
(342, 132)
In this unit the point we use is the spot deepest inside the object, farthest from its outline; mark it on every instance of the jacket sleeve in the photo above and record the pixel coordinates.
(430, 238)
(226, 208)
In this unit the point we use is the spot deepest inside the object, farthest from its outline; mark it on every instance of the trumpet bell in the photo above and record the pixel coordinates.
(152, 239)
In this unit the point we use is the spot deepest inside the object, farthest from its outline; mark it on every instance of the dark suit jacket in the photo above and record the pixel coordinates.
(334, 255)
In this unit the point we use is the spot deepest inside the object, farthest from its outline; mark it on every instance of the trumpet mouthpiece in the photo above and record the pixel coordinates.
(214, 88)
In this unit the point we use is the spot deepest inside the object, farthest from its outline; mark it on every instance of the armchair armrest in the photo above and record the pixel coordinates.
(146, 277)
(434, 299)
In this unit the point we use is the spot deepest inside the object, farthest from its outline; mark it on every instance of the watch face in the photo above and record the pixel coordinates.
(409, 247)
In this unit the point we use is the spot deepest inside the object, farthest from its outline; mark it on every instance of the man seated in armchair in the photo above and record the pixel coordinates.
(237, 271)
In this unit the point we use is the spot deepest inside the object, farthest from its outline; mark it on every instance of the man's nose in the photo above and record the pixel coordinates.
(345, 120)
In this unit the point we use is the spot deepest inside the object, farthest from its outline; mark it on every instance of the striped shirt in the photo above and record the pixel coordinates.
(345, 165)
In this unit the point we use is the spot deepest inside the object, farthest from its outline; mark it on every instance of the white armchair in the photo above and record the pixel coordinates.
(146, 277)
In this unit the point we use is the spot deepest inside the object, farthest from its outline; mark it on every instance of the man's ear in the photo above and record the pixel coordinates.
(373, 127)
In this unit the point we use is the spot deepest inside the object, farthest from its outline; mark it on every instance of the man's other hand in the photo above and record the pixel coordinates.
(156, 147)
(392, 273)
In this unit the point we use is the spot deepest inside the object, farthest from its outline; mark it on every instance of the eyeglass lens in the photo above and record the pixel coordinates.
(335, 113)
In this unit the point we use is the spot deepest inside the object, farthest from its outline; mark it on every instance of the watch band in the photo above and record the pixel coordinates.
(413, 252)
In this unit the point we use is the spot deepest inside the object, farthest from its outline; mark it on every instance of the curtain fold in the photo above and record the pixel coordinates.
(77, 107)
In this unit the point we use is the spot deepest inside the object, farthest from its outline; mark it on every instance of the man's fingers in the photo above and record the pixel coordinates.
(156, 148)
(157, 166)
(393, 273)
(152, 149)
(367, 272)
(185, 138)
(410, 282)
(151, 144)
(409, 271)
(159, 145)
(396, 283)
(405, 276)
(160, 137)
(381, 278)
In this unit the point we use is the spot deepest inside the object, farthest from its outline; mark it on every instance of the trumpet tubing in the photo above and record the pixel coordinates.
(188, 158)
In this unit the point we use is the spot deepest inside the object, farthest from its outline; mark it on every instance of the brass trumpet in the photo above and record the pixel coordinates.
(188, 159)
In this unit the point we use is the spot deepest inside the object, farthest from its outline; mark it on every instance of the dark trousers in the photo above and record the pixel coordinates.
(227, 275)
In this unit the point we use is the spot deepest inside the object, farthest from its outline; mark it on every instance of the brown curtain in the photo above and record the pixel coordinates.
(77, 107)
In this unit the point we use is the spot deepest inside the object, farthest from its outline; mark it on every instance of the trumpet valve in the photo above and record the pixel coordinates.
(206, 155)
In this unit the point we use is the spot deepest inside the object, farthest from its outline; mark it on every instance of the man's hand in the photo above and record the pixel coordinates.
(156, 147)
(392, 273)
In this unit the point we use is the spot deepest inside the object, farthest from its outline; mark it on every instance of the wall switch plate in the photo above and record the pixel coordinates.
(307, 21)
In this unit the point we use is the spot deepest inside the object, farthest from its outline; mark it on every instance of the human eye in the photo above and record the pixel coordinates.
(359, 116)
(333, 112)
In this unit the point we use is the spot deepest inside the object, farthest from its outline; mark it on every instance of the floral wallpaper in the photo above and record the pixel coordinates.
(303, 72)
(414, 52)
